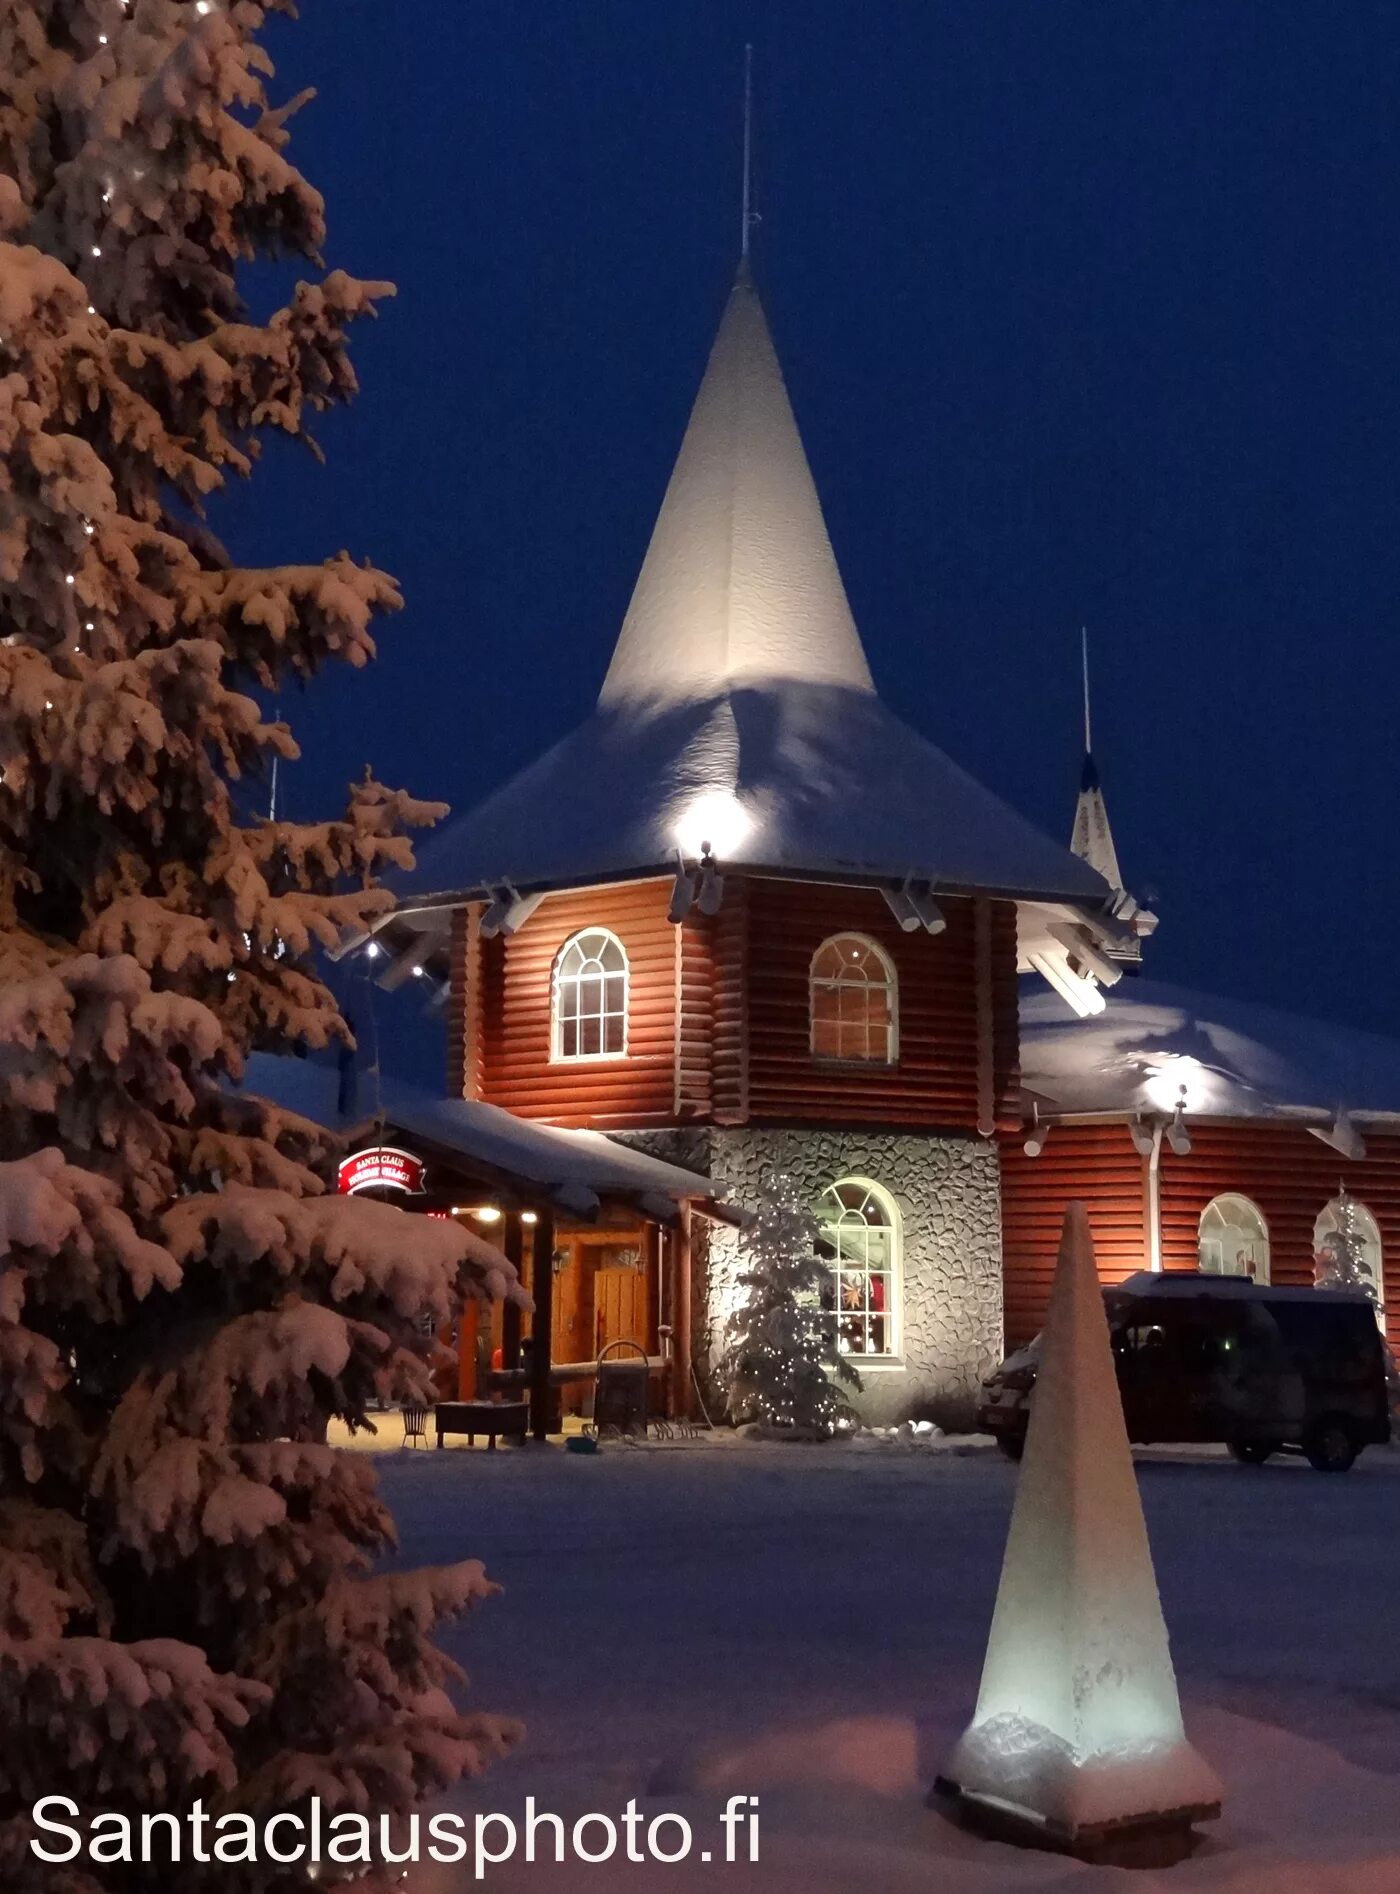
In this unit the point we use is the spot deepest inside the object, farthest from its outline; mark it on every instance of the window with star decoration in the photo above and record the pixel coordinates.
(860, 1240)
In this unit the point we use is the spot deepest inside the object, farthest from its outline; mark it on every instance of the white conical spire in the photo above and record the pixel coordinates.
(740, 585)
(1078, 1724)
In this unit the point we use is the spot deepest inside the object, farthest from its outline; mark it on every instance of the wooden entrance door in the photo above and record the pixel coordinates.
(620, 1305)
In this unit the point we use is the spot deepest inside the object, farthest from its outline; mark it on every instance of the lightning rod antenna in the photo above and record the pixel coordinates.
(748, 215)
(1084, 665)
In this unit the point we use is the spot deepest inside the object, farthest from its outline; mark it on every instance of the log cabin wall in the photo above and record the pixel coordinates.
(517, 981)
(719, 1013)
(1094, 1163)
(1289, 1174)
(934, 1083)
(464, 1003)
(458, 1083)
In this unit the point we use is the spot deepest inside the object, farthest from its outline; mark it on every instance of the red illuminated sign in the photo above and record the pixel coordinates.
(383, 1168)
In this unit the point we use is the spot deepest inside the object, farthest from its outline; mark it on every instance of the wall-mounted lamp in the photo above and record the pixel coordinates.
(711, 886)
(682, 894)
(1035, 1141)
(1143, 1137)
(913, 906)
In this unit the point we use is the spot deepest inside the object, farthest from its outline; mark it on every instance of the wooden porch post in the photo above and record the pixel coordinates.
(679, 1240)
(542, 1350)
(466, 1350)
(512, 1243)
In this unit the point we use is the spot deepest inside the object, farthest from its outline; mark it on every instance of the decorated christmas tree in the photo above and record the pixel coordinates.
(783, 1366)
(186, 1606)
(1342, 1259)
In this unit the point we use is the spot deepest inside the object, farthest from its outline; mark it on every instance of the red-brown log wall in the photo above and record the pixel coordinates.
(517, 985)
(1098, 1165)
(697, 995)
(718, 1022)
(1289, 1174)
(934, 1083)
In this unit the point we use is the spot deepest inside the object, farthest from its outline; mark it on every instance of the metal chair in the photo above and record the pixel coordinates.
(415, 1426)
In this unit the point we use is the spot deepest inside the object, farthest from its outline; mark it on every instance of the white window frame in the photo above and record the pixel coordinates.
(892, 1355)
(828, 982)
(1263, 1264)
(558, 977)
(1329, 1220)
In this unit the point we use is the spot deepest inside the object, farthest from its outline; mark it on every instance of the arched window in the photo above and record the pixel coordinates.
(590, 997)
(1234, 1239)
(859, 1237)
(855, 1001)
(1346, 1225)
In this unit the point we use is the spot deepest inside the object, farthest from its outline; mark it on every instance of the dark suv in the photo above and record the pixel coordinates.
(1222, 1358)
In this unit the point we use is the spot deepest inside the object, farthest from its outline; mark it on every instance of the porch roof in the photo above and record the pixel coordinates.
(576, 1170)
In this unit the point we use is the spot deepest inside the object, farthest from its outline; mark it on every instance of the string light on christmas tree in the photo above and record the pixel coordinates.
(783, 1363)
(1342, 1259)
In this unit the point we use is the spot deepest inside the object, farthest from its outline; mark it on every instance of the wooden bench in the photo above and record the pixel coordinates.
(491, 1418)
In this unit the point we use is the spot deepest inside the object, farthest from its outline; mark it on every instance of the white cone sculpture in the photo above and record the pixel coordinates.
(1078, 1728)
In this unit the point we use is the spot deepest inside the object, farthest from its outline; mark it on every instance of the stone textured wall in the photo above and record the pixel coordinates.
(948, 1194)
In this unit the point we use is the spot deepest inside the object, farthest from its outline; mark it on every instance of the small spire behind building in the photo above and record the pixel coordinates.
(1092, 839)
(1092, 836)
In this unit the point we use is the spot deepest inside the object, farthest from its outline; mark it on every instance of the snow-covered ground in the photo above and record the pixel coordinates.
(682, 1622)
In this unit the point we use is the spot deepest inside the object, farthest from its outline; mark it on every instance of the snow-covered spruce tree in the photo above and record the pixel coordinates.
(782, 1362)
(186, 1609)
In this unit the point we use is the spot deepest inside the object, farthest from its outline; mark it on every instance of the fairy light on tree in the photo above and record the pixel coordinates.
(1342, 1259)
(783, 1367)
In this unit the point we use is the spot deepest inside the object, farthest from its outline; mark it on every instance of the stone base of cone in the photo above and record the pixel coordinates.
(1159, 1840)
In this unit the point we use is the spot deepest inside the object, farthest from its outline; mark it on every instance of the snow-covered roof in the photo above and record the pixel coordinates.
(740, 584)
(808, 778)
(575, 1168)
(738, 709)
(1235, 1059)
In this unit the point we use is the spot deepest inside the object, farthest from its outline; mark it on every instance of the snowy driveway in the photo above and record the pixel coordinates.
(666, 1603)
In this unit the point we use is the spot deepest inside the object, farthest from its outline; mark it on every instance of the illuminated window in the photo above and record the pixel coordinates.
(1234, 1239)
(590, 997)
(1344, 1224)
(854, 1001)
(859, 1238)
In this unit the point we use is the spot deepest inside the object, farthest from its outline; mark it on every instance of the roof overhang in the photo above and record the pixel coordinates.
(414, 938)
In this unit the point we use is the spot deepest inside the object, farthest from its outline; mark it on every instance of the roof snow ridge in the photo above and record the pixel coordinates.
(742, 276)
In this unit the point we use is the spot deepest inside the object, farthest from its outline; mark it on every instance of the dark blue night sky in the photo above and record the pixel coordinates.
(1090, 313)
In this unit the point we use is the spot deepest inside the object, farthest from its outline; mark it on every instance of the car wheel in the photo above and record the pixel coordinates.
(1012, 1445)
(1330, 1445)
(1252, 1453)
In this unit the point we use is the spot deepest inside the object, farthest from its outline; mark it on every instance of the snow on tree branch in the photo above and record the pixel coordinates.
(185, 1606)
